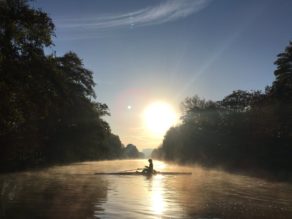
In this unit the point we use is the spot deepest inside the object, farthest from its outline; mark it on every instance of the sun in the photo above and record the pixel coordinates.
(159, 117)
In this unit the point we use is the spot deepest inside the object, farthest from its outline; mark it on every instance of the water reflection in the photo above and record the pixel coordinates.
(49, 195)
(157, 201)
(140, 197)
(134, 197)
(74, 192)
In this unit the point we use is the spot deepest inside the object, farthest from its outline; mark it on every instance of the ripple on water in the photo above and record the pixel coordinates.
(72, 191)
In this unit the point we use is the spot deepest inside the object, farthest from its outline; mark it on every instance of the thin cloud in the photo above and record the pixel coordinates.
(167, 11)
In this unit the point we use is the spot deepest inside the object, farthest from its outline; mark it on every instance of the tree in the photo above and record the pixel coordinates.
(48, 109)
(281, 92)
(24, 33)
(23, 30)
(282, 86)
(131, 151)
(112, 146)
(198, 110)
(238, 101)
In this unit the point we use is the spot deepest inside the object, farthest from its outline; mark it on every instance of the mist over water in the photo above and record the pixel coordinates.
(73, 191)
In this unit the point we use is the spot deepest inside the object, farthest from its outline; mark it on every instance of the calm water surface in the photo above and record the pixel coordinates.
(74, 191)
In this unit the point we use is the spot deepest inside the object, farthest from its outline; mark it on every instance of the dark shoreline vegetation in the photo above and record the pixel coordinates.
(247, 131)
(49, 114)
(48, 110)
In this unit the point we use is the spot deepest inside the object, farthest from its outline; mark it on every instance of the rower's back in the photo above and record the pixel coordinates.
(150, 166)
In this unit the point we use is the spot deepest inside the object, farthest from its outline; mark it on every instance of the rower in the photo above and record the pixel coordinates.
(149, 169)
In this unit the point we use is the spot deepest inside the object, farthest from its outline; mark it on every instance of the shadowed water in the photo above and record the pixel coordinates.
(73, 191)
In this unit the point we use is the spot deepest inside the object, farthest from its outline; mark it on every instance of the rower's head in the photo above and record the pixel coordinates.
(150, 160)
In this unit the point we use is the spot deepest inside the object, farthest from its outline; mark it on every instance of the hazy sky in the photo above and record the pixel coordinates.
(146, 50)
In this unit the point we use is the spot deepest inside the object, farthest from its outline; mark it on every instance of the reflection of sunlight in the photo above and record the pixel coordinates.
(157, 199)
(157, 203)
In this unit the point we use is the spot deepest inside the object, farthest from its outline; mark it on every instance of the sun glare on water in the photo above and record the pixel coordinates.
(159, 117)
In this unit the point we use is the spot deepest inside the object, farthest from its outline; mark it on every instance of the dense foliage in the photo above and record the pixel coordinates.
(244, 130)
(131, 151)
(48, 113)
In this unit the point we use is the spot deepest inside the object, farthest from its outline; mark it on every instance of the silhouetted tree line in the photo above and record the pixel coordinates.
(116, 150)
(131, 151)
(245, 130)
(48, 111)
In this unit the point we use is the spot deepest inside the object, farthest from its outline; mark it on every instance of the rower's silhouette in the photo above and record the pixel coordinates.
(149, 169)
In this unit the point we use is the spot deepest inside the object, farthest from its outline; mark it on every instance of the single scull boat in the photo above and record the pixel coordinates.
(145, 174)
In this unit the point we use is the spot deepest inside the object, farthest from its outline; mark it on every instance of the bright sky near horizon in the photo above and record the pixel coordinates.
(146, 51)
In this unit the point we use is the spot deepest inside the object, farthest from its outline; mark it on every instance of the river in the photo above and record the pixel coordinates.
(73, 191)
